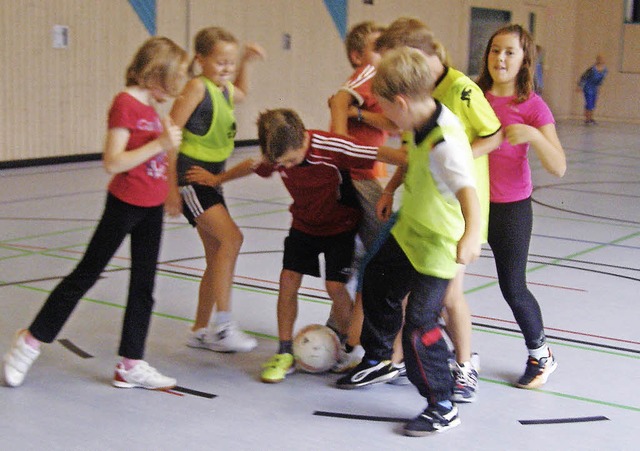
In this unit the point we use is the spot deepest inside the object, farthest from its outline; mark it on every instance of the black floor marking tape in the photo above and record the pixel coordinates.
(350, 416)
(189, 391)
(73, 348)
(564, 420)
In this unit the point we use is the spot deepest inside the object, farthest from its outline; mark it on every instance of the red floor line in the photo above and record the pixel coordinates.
(620, 340)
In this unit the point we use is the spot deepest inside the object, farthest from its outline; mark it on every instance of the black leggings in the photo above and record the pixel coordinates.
(510, 226)
(119, 219)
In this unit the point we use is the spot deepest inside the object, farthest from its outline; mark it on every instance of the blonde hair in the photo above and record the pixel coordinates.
(279, 130)
(205, 41)
(356, 39)
(403, 71)
(157, 64)
(524, 78)
(412, 32)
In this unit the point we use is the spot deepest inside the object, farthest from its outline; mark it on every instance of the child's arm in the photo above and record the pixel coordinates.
(185, 104)
(384, 207)
(115, 157)
(397, 157)
(251, 53)
(482, 146)
(339, 105)
(377, 120)
(173, 204)
(200, 176)
(469, 244)
(545, 143)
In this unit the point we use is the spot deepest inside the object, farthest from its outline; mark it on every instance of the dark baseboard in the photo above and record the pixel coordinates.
(82, 157)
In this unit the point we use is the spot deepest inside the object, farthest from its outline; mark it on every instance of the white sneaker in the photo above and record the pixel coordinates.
(225, 337)
(18, 360)
(348, 360)
(142, 375)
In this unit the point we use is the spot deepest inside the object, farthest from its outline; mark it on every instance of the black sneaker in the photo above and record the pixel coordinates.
(432, 420)
(537, 371)
(367, 373)
(402, 378)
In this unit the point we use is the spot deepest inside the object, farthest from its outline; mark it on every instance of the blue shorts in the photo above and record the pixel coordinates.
(302, 252)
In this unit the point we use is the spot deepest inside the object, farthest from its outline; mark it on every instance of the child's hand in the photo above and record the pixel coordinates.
(384, 207)
(468, 249)
(173, 204)
(171, 136)
(200, 176)
(253, 52)
(519, 133)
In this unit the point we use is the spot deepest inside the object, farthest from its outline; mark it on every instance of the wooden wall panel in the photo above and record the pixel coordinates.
(54, 101)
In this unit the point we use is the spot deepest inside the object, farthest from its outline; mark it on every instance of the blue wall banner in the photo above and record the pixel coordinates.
(146, 10)
(338, 11)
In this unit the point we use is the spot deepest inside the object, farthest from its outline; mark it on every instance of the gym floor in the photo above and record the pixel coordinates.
(583, 268)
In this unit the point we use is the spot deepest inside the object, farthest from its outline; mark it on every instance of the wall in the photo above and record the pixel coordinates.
(55, 100)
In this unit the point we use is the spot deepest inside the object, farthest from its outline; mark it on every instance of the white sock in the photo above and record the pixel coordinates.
(542, 351)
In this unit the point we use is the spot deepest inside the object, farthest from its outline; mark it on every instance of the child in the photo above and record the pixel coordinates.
(463, 97)
(205, 110)
(506, 78)
(438, 227)
(589, 83)
(135, 151)
(325, 216)
(355, 112)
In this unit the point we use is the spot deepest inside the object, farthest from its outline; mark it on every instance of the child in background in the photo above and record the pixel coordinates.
(439, 227)
(589, 83)
(135, 151)
(355, 112)
(205, 111)
(507, 80)
(463, 97)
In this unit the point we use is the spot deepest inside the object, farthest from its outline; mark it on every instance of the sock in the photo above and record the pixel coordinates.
(446, 405)
(30, 340)
(129, 363)
(286, 347)
(542, 351)
(222, 317)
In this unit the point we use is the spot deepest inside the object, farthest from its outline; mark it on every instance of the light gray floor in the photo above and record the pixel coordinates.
(584, 270)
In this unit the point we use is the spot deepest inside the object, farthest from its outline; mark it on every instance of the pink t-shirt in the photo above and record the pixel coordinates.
(509, 171)
(146, 184)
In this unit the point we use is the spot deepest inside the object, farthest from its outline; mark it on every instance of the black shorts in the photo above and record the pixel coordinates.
(301, 252)
(196, 199)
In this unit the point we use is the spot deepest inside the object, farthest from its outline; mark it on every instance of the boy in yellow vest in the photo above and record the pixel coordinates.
(438, 228)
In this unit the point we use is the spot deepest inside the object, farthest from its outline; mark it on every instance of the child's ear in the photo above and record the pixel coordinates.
(402, 102)
(356, 58)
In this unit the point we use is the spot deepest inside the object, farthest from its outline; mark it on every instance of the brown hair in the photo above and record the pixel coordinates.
(356, 39)
(206, 40)
(412, 32)
(403, 71)
(524, 78)
(279, 130)
(156, 64)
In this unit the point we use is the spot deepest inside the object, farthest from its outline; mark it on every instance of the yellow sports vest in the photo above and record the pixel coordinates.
(467, 101)
(429, 225)
(217, 144)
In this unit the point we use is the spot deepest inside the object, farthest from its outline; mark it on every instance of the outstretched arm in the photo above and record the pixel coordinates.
(200, 176)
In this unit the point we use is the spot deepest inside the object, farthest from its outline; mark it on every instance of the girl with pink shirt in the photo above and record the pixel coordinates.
(507, 81)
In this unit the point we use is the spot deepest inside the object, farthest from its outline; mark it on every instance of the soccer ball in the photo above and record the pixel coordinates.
(316, 348)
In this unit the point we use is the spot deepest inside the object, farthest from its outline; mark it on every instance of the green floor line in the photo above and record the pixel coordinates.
(567, 396)
(556, 260)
